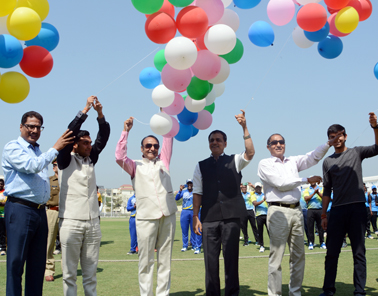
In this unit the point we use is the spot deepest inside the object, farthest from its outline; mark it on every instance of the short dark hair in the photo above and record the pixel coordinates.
(31, 114)
(334, 128)
(218, 131)
(149, 136)
(80, 134)
(2, 180)
(267, 142)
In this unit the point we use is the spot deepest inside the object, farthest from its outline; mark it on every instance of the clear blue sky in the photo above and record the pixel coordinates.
(300, 97)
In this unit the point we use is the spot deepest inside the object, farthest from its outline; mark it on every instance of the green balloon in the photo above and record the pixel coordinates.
(181, 3)
(147, 6)
(210, 108)
(159, 60)
(184, 97)
(236, 54)
(211, 86)
(198, 89)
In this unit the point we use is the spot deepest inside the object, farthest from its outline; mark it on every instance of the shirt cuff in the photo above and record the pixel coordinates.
(304, 180)
(82, 115)
(101, 120)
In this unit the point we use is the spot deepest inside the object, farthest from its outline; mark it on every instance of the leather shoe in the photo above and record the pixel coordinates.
(49, 278)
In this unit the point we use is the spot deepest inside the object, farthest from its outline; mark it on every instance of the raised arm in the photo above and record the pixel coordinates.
(180, 193)
(374, 125)
(121, 150)
(249, 148)
(166, 151)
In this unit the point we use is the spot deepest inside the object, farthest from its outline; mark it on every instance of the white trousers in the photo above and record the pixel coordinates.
(53, 226)
(80, 240)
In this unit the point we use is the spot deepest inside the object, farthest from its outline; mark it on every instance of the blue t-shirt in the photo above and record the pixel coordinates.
(261, 209)
(316, 202)
(187, 199)
(374, 198)
(131, 206)
(302, 201)
(367, 199)
(248, 201)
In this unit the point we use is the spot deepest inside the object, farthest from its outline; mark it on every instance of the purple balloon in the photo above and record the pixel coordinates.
(175, 80)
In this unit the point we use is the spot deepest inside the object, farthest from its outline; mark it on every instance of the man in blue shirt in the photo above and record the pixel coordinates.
(131, 207)
(27, 186)
(250, 216)
(261, 211)
(374, 208)
(368, 212)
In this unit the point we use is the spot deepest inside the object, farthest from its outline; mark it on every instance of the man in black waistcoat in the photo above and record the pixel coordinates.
(216, 186)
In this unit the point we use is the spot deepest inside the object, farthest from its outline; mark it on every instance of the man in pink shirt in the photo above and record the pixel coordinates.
(156, 207)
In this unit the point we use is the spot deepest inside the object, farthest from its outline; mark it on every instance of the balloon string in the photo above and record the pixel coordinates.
(128, 70)
(267, 72)
(141, 121)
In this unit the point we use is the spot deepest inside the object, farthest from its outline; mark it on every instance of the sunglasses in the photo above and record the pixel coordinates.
(31, 127)
(275, 142)
(149, 146)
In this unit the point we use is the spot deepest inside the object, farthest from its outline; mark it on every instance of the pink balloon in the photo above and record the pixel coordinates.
(207, 65)
(176, 107)
(175, 80)
(332, 27)
(174, 130)
(205, 119)
(281, 12)
(213, 8)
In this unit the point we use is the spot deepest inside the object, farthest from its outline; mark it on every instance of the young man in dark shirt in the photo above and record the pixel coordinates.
(343, 175)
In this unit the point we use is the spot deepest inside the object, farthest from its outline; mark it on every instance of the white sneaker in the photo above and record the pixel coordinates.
(310, 246)
(56, 252)
(3, 253)
(323, 246)
(262, 249)
(197, 251)
(183, 249)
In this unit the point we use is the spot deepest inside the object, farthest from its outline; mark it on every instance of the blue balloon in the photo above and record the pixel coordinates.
(246, 4)
(150, 77)
(186, 117)
(331, 47)
(47, 38)
(261, 34)
(318, 36)
(376, 70)
(11, 51)
(194, 131)
(185, 132)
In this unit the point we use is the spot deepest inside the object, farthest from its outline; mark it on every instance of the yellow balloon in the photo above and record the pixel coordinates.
(41, 7)
(24, 23)
(14, 87)
(7, 6)
(347, 19)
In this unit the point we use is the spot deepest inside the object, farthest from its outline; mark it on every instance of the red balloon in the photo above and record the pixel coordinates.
(160, 27)
(192, 21)
(167, 7)
(336, 4)
(332, 11)
(37, 61)
(332, 27)
(363, 7)
(312, 17)
(201, 41)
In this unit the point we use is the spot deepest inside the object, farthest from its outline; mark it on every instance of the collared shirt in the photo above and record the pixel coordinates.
(25, 171)
(316, 202)
(187, 199)
(261, 209)
(248, 201)
(281, 179)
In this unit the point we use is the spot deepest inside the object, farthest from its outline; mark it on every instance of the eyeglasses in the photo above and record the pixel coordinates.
(275, 142)
(149, 146)
(31, 127)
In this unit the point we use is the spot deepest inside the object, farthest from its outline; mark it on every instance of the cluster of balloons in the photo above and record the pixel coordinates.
(25, 41)
(197, 62)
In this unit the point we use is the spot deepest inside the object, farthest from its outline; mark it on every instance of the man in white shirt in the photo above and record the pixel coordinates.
(282, 187)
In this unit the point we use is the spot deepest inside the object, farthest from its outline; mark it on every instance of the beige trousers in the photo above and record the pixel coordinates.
(53, 227)
(155, 234)
(285, 225)
(80, 240)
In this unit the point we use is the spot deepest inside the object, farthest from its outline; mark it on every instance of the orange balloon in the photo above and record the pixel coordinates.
(312, 17)
(363, 7)
(167, 7)
(160, 27)
(192, 21)
(336, 4)
(37, 61)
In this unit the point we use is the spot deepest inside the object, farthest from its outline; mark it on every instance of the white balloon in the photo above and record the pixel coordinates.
(162, 96)
(180, 53)
(219, 89)
(210, 98)
(223, 73)
(226, 3)
(194, 105)
(300, 38)
(161, 123)
(3, 25)
(220, 39)
(304, 2)
(230, 18)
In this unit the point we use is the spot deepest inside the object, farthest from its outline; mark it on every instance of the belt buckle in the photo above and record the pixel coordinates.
(292, 206)
(39, 206)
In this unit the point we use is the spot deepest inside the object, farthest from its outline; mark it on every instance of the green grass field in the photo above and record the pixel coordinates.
(188, 275)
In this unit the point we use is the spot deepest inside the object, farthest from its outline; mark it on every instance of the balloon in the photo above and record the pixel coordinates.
(331, 47)
(37, 61)
(186, 117)
(312, 17)
(192, 21)
(14, 87)
(180, 53)
(167, 7)
(346, 20)
(147, 6)
(300, 39)
(194, 105)
(210, 108)
(7, 6)
(223, 73)
(174, 130)
(236, 54)
(332, 27)
(210, 98)
(39, 6)
(3, 25)
(162, 96)
(226, 2)
(318, 35)
(184, 133)
(204, 120)
(363, 7)
(213, 8)
(176, 107)
(11, 51)
(181, 3)
(332, 11)
(176, 80)
(280, 12)
(376, 70)
(24, 23)
(198, 89)
(48, 37)
(207, 65)
(160, 27)
(194, 131)
(246, 4)
(230, 18)
(149, 77)
(336, 4)
(219, 89)
(220, 39)
(159, 60)
(261, 34)
(161, 123)
(200, 41)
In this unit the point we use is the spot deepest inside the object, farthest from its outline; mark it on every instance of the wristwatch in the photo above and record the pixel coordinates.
(247, 137)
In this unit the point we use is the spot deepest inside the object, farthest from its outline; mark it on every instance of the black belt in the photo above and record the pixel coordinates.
(25, 202)
(278, 204)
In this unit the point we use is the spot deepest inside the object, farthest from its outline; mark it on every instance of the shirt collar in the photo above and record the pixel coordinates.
(276, 159)
(211, 155)
(26, 144)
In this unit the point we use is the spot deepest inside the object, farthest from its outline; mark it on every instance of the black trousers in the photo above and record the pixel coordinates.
(374, 221)
(216, 235)
(368, 218)
(244, 225)
(3, 235)
(345, 219)
(261, 221)
(314, 215)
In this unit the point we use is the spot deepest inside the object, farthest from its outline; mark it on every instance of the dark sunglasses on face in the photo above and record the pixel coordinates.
(149, 146)
(32, 127)
(275, 142)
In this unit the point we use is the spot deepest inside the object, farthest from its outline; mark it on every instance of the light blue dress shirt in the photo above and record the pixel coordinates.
(26, 171)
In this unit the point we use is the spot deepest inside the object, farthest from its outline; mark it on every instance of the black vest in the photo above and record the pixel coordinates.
(221, 196)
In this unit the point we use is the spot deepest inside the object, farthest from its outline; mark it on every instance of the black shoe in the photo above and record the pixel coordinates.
(132, 253)
(245, 244)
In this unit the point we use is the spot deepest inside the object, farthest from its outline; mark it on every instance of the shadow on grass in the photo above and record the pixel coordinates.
(188, 293)
(244, 290)
(106, 243)
(79, 273)
(341, 289)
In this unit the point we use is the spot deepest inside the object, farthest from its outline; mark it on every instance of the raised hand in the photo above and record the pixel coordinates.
(98, 107)
(314, 179)
(182, 187)
(64, 140)
(241, 118)
(372, 119)
(336, 138)
(128, 124)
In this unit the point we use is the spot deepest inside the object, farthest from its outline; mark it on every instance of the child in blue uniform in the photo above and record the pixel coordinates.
(131, 207)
